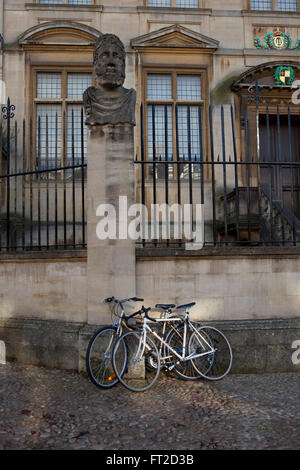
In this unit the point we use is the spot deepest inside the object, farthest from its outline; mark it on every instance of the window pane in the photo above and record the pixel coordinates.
(159, 87)
(159, 3)
(48, 85)
(77, 84)
(261, 4)
(187, 3)
(189, 87)
(51, 1)
(159, 130)
(287, 5)
(184, 124)
(74, 127)
(81, 2)
(73, 2)
(42, 111)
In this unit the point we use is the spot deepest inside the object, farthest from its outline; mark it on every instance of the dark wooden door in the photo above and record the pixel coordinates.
(281, 143)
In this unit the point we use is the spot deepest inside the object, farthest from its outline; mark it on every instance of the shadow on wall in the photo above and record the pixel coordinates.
(259, 346)
(51, 344)
(221, 94)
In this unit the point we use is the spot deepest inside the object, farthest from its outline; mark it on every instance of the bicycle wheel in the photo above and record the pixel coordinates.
(99, 355)
(216, 354)
(184, 369)
(137, 376)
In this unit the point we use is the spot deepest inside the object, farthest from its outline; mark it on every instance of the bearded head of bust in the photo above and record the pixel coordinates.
(109, 61)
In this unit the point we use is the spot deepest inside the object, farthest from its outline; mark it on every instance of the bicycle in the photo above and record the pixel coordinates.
(210, 354)
(205, 347)
(99, 351)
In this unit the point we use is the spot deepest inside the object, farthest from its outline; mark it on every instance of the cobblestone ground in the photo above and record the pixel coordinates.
(53, 409)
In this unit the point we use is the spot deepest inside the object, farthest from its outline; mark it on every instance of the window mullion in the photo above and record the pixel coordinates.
(174, 90)
(64, 117)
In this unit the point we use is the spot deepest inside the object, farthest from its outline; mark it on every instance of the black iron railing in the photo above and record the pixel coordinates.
(42, 186)
(247, 183)
(250, 197)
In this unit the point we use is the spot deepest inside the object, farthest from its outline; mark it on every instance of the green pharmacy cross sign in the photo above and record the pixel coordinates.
(277, 40)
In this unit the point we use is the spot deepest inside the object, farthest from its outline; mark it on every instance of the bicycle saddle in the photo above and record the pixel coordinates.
(164, 306)
(186, 305)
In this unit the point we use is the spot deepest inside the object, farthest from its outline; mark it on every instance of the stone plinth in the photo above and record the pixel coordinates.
(110, 175)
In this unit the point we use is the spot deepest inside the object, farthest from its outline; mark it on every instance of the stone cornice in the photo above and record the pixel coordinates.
(190, 11)
(218, 252)
(65, 6)
(271, 14)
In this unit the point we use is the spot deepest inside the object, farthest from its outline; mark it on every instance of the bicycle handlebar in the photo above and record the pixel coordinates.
(146, 310)
(139, 312)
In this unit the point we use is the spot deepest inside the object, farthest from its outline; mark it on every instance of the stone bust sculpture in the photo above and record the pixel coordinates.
(110, 103)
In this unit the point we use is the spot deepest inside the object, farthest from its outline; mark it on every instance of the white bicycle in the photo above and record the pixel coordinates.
(190, 350)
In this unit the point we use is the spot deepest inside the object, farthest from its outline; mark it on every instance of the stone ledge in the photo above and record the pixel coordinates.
(218, 252)
(62, 6)
(271, 14)
(33, 323)
(158, 253)
(257, 324)
(172, 10)
(19, 257)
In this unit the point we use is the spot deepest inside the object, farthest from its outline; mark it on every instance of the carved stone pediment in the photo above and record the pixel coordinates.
(175, 36)
(59, 33)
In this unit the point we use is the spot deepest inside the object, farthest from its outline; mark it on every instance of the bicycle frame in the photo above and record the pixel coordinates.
(119, 324)
(183, 357)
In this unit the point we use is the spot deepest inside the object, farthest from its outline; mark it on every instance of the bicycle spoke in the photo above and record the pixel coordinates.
(183, 368)
(98, 358)
(138, 376)
(213, 353)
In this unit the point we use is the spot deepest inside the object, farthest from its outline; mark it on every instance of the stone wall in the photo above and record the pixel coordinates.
(232, 287)
(44, 287)
(253, 298)
(258, 346)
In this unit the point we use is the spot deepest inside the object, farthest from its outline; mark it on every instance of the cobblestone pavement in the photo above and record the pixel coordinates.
(53, 409)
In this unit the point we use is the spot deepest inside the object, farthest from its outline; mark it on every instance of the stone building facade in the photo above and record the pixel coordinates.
(180, 55)
(207, 39)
